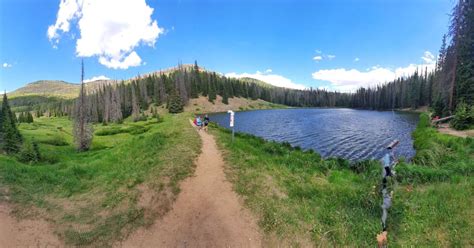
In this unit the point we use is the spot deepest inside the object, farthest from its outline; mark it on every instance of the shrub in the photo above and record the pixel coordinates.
(29, 153)
(463, 117)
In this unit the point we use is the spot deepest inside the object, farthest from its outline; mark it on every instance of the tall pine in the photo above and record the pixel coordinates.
(10, 137)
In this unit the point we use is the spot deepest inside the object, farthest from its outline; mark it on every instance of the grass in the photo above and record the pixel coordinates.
(96, 197)
(302, 199)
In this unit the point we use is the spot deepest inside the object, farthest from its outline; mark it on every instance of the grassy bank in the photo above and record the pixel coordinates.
(436, 191)
(303, 199)
(129, 177)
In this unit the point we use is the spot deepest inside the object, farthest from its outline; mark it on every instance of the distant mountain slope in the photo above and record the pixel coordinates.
(48, 88)
(62, 89)
(56, 88)
(256, 81)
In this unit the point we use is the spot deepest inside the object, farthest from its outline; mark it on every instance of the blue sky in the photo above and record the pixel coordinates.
(339, 45)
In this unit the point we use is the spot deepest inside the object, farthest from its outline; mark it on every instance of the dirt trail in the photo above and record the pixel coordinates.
(207, 212)
(448, 130)
(25, 233)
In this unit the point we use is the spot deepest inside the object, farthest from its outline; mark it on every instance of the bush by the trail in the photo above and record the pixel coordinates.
(29, 153)
(464, 117)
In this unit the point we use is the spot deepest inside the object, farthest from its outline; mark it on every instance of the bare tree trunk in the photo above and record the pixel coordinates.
(116, 108)
(106, 118)
(453, 79)
(135, 107)
(83, 132)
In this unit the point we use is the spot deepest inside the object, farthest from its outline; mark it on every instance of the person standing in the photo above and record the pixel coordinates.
(199, 122)
(206, 122)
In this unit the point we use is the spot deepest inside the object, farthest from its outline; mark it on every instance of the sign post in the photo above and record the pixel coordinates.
(231, 124)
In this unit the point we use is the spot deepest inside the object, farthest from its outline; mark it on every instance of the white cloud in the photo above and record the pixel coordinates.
(428, 58)
(317, 58)
(331, 56)
(318, 51)
(346, 80)
(109, 29)
(101, 77)
(273, 79)
(356, 59)
(6, 65)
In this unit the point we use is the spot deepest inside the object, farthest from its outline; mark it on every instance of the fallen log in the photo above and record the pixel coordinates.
(442, 119)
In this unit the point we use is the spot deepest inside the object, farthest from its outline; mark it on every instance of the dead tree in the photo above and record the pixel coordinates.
(83, 132)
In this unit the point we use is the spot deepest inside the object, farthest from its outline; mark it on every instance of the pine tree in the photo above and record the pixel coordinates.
(83, 132)
(196, 81)
(29, 117)
(225, 96)
(464, 91)
(21, 117)
(29, 153)
(442, 55)
(175, 105)
(180, 84)
(212, 88)
(10, 137)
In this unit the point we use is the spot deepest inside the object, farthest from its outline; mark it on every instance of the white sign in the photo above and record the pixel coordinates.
(231, 124)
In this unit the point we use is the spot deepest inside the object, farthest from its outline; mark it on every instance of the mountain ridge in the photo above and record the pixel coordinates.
(68, 90)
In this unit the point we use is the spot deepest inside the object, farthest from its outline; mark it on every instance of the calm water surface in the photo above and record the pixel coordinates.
(347, 133)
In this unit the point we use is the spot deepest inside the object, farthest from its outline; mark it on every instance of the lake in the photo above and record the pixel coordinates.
(347, 133)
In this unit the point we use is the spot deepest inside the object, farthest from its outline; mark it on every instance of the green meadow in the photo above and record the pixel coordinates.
(129, 177)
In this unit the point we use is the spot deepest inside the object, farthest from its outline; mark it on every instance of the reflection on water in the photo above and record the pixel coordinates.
(347, 133)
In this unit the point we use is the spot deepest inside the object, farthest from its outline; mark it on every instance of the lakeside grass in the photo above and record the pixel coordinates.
(300, 197)
(304, 200)
(129, 177)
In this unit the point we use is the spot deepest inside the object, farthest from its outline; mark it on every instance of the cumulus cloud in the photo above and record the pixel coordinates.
(6, 65)
(331, 56)
(428, 58)
(109, 29)
(356, 60)
(101, 77)
(317, 58)
(273, 79)
(347, 80)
